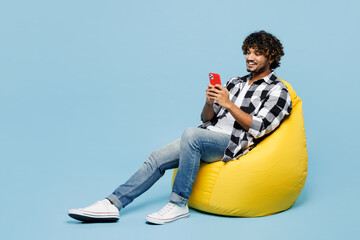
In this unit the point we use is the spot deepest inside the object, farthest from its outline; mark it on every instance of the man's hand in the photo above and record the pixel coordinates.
(209, 99)
(218, 93)
(208, 110)
(221, 96)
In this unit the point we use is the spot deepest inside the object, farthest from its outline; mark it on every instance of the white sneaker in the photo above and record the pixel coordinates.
(101, 211)
(169, 213)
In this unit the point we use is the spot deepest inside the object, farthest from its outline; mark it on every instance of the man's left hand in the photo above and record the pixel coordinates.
(220, 95)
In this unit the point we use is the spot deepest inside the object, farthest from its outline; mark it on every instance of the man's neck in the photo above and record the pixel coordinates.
(256, 76)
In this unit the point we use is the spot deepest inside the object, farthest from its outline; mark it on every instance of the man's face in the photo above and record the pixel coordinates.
(256, 62)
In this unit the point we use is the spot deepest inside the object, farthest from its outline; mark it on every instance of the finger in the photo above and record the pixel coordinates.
(217, 91)
(212, 98)
(212, 95)
(211, 91)
(210, 86)
(218, 86)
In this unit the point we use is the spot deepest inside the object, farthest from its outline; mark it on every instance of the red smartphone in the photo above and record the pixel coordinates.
(214, 78)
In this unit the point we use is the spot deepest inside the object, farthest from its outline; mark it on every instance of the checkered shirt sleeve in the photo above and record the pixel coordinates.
(276, 106)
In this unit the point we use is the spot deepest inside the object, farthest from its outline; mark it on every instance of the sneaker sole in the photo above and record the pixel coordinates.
(88, 217)
(163, 221)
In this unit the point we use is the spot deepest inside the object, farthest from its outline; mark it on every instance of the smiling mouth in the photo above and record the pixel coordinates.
(250, 64)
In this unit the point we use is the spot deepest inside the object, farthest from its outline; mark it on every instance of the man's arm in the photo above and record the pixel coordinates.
(208, 112)
(277, 106)
(243, 118)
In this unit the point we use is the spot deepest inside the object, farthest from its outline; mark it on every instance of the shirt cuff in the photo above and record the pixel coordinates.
(255, 126)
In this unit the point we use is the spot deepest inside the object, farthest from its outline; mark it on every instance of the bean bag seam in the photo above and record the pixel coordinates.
(212, 189)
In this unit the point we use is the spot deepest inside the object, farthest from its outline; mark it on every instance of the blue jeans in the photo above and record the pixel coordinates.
(184, 154)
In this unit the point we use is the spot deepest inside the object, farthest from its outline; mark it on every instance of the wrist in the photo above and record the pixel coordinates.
(210, 104)
(228, 105)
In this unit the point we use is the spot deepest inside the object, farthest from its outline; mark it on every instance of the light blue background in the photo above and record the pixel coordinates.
(89, 88)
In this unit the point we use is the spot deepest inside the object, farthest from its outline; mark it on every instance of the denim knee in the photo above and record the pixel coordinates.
(190, 135)
(152, 160)
(156, 162)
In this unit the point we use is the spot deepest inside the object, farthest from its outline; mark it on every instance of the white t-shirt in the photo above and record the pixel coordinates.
(225, 124)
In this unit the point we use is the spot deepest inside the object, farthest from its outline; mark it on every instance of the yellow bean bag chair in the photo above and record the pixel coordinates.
(266, 180)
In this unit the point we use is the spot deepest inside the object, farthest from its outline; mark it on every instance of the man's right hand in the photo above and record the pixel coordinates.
(208, 110)
(210, 97)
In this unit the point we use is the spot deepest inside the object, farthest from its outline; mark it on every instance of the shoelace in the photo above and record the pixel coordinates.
(166, 209)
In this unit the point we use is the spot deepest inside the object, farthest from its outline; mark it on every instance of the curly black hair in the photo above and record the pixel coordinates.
(267, 45)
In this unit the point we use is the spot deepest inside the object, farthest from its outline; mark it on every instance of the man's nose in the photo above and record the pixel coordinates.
(250, 57)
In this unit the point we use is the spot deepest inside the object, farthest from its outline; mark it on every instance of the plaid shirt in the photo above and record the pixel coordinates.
(267, 100)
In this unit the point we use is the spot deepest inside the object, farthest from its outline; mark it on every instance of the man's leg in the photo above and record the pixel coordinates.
(155, 166)
(196, 144)
(160, 160)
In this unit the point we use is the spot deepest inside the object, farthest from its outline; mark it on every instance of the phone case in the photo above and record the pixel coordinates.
(214, 78)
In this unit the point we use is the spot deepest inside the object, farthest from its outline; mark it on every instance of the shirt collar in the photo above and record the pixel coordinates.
(268, 79)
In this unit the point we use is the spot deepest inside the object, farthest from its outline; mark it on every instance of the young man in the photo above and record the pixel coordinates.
(233, 119)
